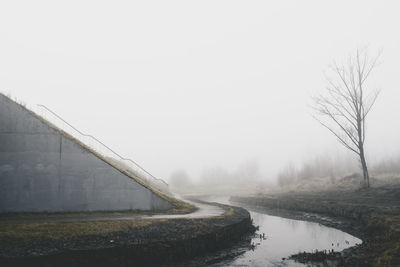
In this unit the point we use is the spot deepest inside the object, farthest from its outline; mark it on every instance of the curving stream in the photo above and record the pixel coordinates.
(282, 238)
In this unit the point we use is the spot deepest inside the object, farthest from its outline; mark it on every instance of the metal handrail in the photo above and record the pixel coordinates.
(101, 143)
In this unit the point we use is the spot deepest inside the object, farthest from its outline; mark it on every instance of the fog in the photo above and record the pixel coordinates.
(203, 87)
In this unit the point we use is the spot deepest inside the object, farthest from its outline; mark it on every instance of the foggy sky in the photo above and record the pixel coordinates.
(197, 84)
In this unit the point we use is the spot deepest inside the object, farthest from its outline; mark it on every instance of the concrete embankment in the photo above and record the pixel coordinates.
(138, 242)
(371, 214)
(44, 169)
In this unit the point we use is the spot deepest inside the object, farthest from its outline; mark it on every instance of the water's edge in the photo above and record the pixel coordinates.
(333, 217)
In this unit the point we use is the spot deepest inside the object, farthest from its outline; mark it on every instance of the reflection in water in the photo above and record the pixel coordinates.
(284, 237)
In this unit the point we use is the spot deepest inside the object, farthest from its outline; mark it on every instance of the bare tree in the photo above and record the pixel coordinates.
(344, 106)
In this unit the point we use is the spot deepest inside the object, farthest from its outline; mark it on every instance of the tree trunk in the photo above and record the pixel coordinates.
(364, 167)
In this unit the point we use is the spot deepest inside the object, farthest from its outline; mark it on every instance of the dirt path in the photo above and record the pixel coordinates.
(204, 211)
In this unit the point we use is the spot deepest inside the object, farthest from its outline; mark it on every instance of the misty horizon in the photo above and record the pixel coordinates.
(203, 86)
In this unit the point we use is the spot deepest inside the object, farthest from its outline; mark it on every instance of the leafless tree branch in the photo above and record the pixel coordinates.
(344, 107)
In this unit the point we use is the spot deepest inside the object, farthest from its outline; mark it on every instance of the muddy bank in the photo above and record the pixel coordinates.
(372, 215)
(163, 241)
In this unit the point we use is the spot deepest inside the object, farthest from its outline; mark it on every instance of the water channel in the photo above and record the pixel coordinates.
(282, 238)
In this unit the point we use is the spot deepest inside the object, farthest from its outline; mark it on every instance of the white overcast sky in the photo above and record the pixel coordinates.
(195, 84)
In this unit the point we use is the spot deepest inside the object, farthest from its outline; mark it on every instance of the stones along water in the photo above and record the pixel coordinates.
(282, 238)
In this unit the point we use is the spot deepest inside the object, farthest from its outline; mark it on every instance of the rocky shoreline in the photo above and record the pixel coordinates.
(163, 242)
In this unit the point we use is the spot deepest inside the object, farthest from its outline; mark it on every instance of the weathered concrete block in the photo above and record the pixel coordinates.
(42, 169)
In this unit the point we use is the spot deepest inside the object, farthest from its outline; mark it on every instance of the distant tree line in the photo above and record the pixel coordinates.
(331, 168)
(246, 177)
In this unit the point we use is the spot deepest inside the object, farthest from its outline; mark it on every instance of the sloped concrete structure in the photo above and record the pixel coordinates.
(44, 169)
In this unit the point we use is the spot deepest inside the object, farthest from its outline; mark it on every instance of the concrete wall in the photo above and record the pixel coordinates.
(43, 170)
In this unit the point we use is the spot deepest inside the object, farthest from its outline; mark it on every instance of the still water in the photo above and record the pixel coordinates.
(284, 237)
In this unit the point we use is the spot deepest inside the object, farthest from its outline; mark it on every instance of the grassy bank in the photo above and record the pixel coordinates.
(116, 243)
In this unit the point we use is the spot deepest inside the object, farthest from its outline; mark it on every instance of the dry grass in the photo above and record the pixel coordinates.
(28, 231)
